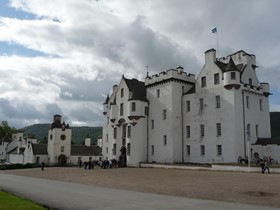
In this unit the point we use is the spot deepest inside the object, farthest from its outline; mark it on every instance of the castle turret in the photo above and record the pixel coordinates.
(231, 76)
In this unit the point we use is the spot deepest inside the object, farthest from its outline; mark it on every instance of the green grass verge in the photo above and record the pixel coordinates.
(12, 202)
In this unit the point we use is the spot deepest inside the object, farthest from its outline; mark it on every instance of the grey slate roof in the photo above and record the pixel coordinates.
(268, 141)
(82, 150)
(40, 149)
(137, 88)
(230, 66)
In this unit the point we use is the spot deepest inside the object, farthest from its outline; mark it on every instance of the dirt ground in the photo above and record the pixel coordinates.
(249, 188)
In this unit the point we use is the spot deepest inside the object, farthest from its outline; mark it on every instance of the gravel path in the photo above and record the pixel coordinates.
(249, 188)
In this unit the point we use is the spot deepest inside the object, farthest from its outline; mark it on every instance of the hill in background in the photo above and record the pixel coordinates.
(40, 131)
(80, 133)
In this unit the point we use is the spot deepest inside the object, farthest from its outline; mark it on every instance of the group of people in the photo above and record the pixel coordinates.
(104, 164)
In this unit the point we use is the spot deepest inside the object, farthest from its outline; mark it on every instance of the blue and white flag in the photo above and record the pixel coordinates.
(214, 30)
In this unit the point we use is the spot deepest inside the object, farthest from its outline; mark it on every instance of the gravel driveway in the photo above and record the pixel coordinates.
(249, 188)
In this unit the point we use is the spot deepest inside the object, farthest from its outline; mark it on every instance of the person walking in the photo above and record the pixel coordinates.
(266, 167)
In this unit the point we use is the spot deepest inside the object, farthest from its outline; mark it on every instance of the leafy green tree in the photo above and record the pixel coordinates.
(5, 129)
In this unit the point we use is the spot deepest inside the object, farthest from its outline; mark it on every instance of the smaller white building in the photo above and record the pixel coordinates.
(58, 150)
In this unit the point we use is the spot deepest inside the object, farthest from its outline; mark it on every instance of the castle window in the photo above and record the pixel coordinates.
(164, 140)
(129, 131)
(51, 136)
(188, 150)
(247, 102)
(201, 103)
(115, 132)
(114, 149)
(124, 131)
(202, 150)
(158, 93)
(122, 93)
(250, 82)
(218, 102)
(219, 129)
(62, 137)
(202, 130)
(164, 114)
(133, 106)
(261, 105)
(232, 75)
(188, 131)
(121, 109)
(153, 124)
(219, 150)
(248, 130)
(216, 79)
(106, 150)
(128, 149)
(257, 131)
(188, 106)
(107, 137)
(203, 81)
(147, 111)
(153, 149)
(62, 148)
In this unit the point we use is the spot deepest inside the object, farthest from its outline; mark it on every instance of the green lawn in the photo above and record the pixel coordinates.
(12, 202)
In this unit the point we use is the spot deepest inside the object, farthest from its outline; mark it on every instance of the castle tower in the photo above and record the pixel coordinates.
(59, 142)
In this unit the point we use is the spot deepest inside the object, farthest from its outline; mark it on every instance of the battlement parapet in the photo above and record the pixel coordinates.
(178, 73)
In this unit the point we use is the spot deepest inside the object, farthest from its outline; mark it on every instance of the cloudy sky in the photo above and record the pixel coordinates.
(63, 57)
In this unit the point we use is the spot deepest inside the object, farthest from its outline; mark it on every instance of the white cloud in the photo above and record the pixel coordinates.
(87, 45)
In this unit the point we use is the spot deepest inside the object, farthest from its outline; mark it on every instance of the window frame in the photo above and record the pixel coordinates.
(218, 129)
(218, 101)
(202, 150)
(219, 150)
(216, 79)
(203, 81)
(188, 106)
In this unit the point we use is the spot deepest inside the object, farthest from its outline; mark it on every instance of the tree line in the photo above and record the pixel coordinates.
(5, 129)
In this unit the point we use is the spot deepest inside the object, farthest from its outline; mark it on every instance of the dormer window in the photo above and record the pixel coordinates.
(233, 75)
(250, 82)
(121, 92)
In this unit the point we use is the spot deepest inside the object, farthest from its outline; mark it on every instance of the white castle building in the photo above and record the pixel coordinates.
(217, 117)
(58, 150)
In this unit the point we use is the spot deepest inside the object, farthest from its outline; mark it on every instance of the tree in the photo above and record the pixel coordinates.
(5, 129)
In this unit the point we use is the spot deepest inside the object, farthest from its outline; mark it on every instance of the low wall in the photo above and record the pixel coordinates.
(212, 168)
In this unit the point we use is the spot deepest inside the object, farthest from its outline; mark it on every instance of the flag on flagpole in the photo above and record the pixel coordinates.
(214, 30)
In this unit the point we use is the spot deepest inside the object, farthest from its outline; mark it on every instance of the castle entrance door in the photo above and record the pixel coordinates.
(62, 160)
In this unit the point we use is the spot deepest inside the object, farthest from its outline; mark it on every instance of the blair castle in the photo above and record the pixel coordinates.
(220, 116)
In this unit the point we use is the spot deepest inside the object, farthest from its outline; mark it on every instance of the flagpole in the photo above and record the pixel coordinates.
(218, 44)
(215, 31)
